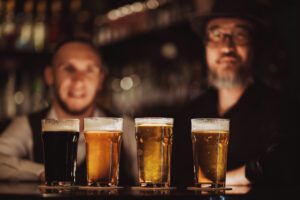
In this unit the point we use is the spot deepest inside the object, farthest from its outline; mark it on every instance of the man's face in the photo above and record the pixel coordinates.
(229, 51)
(77, 76)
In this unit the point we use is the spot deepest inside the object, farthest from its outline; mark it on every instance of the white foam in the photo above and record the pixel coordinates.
(103, 124)
(210, 124)
(154, 121)
(52, 125)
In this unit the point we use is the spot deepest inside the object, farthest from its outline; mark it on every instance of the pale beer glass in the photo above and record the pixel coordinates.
(154, 144)
(103, 143)
(210, 137)
(60, 139)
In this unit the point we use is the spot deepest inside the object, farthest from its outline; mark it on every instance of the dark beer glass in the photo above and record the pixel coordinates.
(60, 139)
(210, 139)
(154, 142)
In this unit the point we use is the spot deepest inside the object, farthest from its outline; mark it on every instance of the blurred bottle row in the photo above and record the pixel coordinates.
(21, 92)
(39, 25)
(139, 17)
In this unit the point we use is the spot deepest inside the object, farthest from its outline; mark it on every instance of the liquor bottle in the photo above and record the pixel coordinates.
(40, 27)
(9, 101)
(81, 19)
(25, 24)
(9, 30)
(55, 23)
(37, 94)
(71, 24)
(1, 23)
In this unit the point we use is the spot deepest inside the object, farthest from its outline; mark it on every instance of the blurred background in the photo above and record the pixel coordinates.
(151, 52)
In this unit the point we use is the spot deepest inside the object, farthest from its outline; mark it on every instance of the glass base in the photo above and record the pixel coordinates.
(155, 185)
(59, 183)
(100, 188)
(152, 189)
(101, 184)
(210, 185)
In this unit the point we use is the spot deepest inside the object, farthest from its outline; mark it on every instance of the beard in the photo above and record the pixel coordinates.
(240, 74)
(69, 110)
(241, 77)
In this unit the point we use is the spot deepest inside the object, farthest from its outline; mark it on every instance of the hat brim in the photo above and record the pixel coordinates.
(198, 21)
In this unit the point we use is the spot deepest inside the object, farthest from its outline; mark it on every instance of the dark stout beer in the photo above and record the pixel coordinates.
(60, 153)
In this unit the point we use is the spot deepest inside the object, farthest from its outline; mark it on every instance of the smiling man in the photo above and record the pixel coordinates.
(75, 77)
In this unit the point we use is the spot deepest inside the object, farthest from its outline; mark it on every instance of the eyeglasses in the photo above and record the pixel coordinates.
(239, 36)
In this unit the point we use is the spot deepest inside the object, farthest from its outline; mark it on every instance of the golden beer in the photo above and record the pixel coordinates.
(103, 144)
(210, 155)
(102, 156)
(154, 143)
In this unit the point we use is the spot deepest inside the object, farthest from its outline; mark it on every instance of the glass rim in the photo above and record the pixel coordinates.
(53, 125)
(210, 119)
(154, 120)
(102, 118)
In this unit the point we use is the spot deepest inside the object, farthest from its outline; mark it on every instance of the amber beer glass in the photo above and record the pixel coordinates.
(210, 143)
(60, 139)
(103, 143)
(154, 143)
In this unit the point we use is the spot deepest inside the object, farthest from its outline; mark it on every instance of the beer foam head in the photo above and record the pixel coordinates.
(210, 124)
(159, 121)
(52, 125)
(103, 124)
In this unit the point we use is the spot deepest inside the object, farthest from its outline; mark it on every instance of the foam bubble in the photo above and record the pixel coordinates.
(103, 124)
(210, 124)
(52, 125)
(154, 121)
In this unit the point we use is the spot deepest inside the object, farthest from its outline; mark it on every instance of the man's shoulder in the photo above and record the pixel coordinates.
(17, 124)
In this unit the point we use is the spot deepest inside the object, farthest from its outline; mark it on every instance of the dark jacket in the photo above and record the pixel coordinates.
(257, 131)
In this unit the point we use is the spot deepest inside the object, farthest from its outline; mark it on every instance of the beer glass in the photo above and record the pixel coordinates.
(103, 144)
(154, 145)
(210, 138)
(60, 139)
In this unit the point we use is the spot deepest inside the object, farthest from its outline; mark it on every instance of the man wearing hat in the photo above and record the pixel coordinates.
(232, 36)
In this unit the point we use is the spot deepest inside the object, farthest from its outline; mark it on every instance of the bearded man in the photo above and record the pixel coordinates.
(231, 35)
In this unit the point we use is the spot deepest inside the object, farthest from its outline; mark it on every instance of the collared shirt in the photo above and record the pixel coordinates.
(16, 149)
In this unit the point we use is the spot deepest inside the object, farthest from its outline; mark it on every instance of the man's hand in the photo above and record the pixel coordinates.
(237, 177)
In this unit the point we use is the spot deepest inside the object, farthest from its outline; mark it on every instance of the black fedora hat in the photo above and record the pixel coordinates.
(245, 9)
